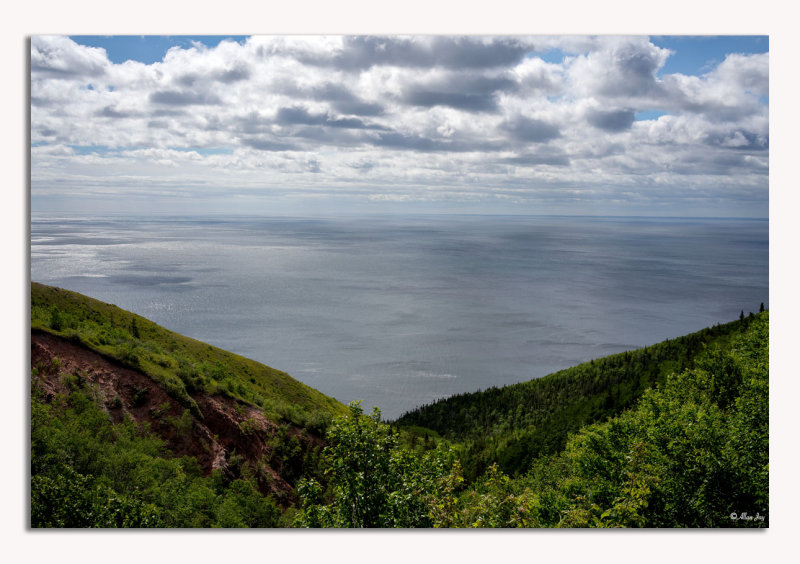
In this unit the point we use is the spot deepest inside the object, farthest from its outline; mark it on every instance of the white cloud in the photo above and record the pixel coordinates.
(477, 115)
(621, 68)
(57, 56)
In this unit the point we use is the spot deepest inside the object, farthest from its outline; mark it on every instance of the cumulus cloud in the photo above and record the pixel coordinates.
(359, 53)
(531, 130)
(611, 120)
(184, 98)
(60, 57)
(551, 158)
(620, 68)
(343, 100)
(474, 115)
(298, 115)
(462, 91)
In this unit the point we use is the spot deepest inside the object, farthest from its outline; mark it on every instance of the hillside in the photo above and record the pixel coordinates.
(99, 373)
(133, 425)
(691, 452)
(181, 365)
(515, 424)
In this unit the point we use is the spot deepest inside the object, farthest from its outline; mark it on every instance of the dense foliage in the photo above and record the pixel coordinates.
(183, 366)
(88, 472)
(693, 452)
(374, 482)
(516, 424)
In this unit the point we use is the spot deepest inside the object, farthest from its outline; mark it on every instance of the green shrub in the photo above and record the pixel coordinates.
(140, 396)
(56, 321)
(88, 472)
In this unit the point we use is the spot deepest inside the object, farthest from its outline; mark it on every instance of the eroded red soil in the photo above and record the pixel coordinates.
(122, 391)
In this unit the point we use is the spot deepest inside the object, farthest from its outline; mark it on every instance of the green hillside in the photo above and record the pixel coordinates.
(89, 472)
(692, 452)
(133, 425)
(182, 365)
(515, 424)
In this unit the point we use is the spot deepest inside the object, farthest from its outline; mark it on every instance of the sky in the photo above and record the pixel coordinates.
(311, 124)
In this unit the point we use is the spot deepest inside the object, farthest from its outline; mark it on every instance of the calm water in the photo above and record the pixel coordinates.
(400, 311)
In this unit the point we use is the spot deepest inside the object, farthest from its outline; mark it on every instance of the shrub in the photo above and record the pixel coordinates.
(140, 396)
(114, 403)
(56, 321)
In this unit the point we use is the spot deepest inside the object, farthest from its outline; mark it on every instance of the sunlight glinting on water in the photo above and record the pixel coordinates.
(398, 312)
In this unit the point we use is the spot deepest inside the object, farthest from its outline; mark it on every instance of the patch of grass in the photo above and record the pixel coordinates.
(183, 366)
(157, 412)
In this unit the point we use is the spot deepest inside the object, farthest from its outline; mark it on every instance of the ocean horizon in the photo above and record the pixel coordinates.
(400, 310)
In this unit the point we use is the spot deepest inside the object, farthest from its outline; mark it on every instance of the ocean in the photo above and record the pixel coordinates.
(397, 311)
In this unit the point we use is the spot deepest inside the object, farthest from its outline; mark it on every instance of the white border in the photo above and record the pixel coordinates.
(410, 16)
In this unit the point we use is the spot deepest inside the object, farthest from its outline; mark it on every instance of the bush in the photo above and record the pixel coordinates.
(140, 396)
(373, 481)
(88, 472)
(56, 321)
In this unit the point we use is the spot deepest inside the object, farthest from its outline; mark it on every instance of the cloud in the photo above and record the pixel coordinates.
(462, 91)
(224, 76)
(232, 75)
(344, 101)
(552, 158)
(537, 77)
(477, 115)
(289, 116)
(184, 98)
(113, 113)
(60, 57)
(300, 116)
(530, 130)
(472, 102)
(41, 102)
(360, 53)
(737, 139)
(267, 144)
(747, 74)
(612, 121)
(415, 143)
(625, 67)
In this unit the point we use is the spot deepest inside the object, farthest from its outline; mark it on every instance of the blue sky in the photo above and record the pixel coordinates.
(628, 125)
(147, 49)
(693, 55)
(696, 55)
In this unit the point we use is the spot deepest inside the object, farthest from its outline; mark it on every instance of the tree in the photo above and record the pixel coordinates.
(56, 323)
(373, 481)
(693, 452)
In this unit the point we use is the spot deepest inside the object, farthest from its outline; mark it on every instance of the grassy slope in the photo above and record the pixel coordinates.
(515, 424)
(690, 453)
(181, 364)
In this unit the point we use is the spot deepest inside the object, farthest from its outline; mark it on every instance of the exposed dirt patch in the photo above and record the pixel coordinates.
(228, 433)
